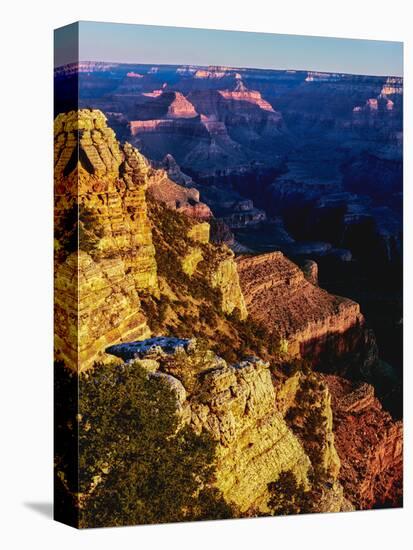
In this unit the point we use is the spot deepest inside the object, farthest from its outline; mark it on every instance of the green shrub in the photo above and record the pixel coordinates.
(137, 464)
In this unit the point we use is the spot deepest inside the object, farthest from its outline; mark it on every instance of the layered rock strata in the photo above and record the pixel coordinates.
(180, 107)
(369, 443)
(185, 200)
(96, 304)
(245, 410)
(235, 405)
(100, 208)
(105, 257)
(277, 293)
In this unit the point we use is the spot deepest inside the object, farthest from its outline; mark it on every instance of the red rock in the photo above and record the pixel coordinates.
(308, 317)
(250, 96)
(369, 444)
(177, 197)
(180, 107)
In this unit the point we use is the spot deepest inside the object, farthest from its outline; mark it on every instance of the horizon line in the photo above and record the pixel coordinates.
(228, 67)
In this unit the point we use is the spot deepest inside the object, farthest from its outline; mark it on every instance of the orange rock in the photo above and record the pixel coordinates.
(277, 294)
(369, 443)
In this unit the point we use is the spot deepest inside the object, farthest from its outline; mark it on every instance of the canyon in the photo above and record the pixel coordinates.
(273, 369)
(321, 151)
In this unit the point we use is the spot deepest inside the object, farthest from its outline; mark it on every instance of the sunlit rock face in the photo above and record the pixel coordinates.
(106, 308)
(101, 208)
(180, 107)
(311, 321)
(224, 276)
(105, 256)
(235, 404)
(245, 409)
(277, 292)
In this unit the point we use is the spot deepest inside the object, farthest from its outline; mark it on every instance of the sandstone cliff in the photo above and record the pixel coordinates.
(242, 409)
(369, 443)
(105, 289)
(305, 316)
(100, 207)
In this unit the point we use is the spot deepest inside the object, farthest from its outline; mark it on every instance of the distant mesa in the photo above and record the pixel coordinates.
(212, 72)
(132, 74)
(180, 107)
(155, 93)
(393, 85)
(241, 93)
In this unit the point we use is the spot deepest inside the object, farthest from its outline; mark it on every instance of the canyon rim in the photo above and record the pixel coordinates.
(228, 262)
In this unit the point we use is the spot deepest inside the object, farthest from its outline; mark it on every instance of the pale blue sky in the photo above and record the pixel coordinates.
(129, 43)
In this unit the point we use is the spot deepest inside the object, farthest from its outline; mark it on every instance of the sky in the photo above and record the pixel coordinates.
(127, 43)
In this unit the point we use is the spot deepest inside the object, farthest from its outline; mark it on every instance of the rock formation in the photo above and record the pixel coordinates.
(96, 304)
(101, 209)
(277, 293)
(100, 188)
(175, 196)
(369, 443)
(175, 173)
(180, 107)
(225, 277)
(238, 406)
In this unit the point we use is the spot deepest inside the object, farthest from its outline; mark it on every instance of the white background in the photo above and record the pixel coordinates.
(26, 270)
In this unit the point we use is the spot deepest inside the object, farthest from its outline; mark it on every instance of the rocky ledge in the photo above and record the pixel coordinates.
(277, 293)
(239, 407)
(157, 346)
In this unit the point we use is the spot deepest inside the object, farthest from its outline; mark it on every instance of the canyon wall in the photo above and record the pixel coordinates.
(133, 259)
(369, 443)
(241, 409)
(99, 207)
(277, 293)
(105, 258)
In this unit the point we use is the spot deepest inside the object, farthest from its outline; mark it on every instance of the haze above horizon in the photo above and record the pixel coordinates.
(147, 44)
